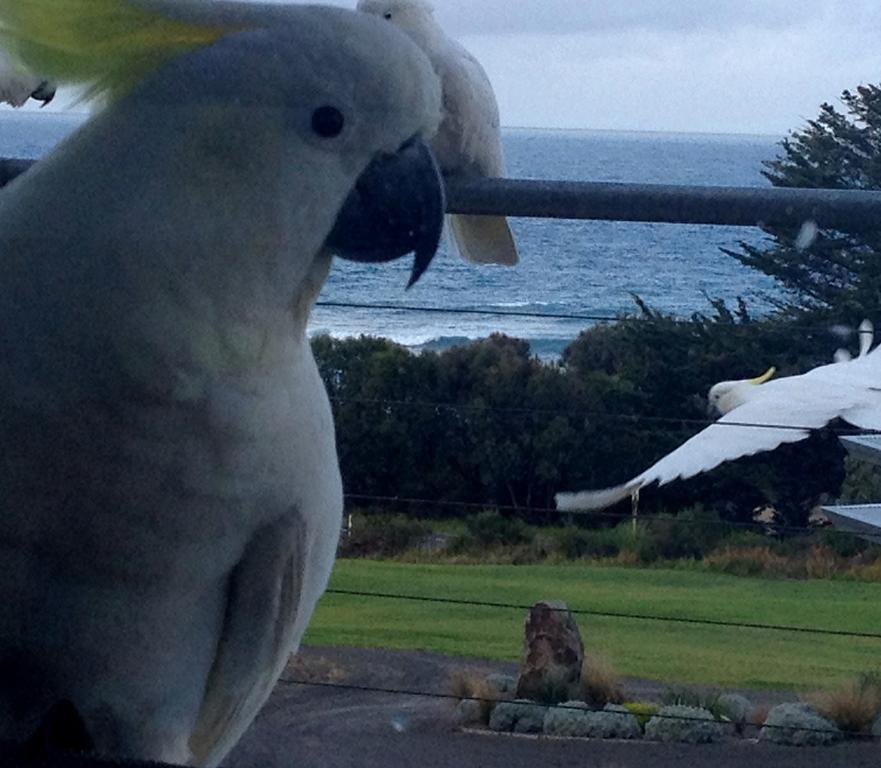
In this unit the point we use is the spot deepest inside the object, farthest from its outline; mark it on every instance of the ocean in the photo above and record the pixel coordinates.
(567, 267)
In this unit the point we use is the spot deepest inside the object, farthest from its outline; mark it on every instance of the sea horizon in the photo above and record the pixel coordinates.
(567, 267)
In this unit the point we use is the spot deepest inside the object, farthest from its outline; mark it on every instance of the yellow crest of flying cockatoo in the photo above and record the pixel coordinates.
(109, 44)
(759, 415)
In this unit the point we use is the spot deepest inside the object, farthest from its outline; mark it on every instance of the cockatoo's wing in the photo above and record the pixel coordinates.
(263, 605)
(468, 143)
(468, 140)
(781, 411)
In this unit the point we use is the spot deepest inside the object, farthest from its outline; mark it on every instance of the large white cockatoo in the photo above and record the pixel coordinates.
(759, 415)
(18, 85)
(468, 142)
(170, 495)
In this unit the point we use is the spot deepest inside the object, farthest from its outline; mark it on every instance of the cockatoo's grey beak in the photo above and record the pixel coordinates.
(45, 92)
(397, 207)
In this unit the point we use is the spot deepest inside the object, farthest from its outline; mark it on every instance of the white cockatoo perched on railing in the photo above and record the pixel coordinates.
(468, 142)
(759, 415)
(170, 494)
(17, 85)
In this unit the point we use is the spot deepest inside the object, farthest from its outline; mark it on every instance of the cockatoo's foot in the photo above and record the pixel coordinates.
(62, 730)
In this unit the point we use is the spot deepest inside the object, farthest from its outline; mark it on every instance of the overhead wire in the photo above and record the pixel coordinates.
(472, 506)
(598, 613)
(681, 421)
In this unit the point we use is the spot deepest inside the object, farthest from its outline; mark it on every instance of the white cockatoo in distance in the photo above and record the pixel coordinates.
(170, 495)
(17, 85)
(759, 415)
(468, 142)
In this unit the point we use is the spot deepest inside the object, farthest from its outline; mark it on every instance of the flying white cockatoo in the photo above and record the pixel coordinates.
(468, 142)
(759, 415)
(170, 495)
(17, 85)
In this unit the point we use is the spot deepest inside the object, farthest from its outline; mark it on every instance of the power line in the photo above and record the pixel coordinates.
(647, 519)
(467, 311)
(681, 421)
(378, 690)
(613, 614)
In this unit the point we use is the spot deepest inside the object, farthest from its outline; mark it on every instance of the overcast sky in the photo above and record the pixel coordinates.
(731, 66)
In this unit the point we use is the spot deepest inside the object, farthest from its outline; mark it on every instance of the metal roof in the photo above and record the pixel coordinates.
(864, 447)
(863, 520)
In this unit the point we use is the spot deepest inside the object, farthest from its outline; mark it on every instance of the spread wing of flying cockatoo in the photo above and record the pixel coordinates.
(170, 495)
(17, 85)
(468, 142)
(759, 415)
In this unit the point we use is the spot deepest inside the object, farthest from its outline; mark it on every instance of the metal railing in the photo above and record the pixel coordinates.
(844, 210)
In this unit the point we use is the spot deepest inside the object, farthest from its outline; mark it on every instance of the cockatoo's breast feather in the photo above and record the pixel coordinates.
(111, 45)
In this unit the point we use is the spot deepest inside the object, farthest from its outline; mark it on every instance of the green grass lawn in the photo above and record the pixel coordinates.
(725, 656)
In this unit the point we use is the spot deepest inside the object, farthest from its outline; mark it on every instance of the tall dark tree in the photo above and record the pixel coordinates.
(838, 274)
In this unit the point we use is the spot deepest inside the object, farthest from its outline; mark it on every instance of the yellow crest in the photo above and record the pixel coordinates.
(108, 44)
(765, 377)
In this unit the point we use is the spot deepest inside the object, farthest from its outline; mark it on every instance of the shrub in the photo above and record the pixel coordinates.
(760, 714)
(692, 533)
(575, 543)
(314, 670)
(574, 719)
(695, 698)
(749, 561)
(615, 722)
(520, 716)
(490, 529)
(600, 684)
(689, 725)
(736, 709)
(382, 535)
(637, 541)
(852, 707)
(643, 711)
(476, 686)
(862, 482)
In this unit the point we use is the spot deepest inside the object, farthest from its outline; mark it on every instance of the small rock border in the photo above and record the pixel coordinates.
(791, 724)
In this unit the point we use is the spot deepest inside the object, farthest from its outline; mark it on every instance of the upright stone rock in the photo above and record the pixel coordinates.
(553, 653)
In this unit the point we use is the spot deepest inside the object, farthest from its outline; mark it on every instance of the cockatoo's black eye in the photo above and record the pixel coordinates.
(328, 122)
(387, 15)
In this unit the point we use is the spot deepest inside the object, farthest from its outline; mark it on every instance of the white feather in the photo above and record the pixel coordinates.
(762, 418)
(468, 142)
(17, 85)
